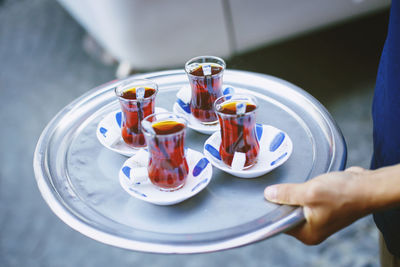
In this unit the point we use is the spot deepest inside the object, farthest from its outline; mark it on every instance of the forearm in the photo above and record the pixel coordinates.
(382, 188)
(375, 190)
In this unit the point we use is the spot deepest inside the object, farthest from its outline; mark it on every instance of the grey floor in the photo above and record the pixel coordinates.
(44, 67)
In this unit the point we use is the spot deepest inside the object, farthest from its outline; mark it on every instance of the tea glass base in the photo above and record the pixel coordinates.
(244, 168)
(208, 122)
(171, 189)
(136, 147)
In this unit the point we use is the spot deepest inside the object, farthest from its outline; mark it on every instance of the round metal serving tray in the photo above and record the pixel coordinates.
(78, 177)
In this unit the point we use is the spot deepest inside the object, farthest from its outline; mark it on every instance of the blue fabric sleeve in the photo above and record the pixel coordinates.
(386, 123)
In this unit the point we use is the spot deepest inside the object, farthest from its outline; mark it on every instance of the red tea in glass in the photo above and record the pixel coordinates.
(205, 75)
(165, 136)
(237, 118)
(137, 100)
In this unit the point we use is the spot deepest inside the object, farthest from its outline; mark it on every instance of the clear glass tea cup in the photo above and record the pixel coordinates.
(165, 136)
(137, 101)
(237, 117)
(205, 74)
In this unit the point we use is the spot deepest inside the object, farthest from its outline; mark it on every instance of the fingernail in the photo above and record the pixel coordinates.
(270, 193)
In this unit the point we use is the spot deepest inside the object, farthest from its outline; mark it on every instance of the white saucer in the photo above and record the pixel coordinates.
(182, 106)
(200, 174)
(108, 132)
(275, 148)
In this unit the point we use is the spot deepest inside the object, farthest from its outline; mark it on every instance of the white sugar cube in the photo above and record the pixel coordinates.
(239, 159)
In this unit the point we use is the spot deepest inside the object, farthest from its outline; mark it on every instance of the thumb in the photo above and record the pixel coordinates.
(290, 194)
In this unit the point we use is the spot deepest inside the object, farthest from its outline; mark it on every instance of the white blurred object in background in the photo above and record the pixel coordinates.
(147, 35)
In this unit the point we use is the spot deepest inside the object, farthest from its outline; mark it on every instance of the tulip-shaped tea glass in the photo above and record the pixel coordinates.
(237, 117)
(165, 137)
(205, 75)
(137, 100)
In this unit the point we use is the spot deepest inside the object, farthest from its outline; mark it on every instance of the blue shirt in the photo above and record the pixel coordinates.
(386, 123)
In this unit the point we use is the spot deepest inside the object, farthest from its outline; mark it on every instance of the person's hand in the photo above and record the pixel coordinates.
(330, 202)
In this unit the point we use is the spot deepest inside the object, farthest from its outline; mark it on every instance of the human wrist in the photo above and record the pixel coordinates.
(360, 189)
(382, 188)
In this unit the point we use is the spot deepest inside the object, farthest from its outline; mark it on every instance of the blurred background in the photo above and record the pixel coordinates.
(52, 52)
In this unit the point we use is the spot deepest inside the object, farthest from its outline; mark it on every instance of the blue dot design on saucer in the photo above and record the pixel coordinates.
(228, 91)
(200, 183)
(103, 131)
(276, 142)
(127, 171)
(213, 151)
(137, 192)
(183, 105)
(200, 166)
(118, 118)
(278, 159)
(259, 131)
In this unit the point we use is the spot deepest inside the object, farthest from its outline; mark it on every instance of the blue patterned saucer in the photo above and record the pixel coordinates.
(108, 132)
(200, 174)
(275, 149)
